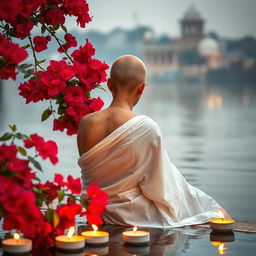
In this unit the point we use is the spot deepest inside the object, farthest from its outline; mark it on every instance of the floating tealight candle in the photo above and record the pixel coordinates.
(70, 241)
(136, 236)
(95, 237)
(222, 224)
(17, 244)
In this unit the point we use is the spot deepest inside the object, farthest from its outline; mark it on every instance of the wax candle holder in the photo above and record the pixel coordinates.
(17, 245)
(221, 224)
(95, 237)
(70, 242)
(136, 237)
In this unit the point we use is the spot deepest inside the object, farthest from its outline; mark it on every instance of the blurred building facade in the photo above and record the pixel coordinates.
(192, 55)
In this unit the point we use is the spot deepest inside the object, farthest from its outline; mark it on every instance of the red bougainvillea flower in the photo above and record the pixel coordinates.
(80, 9)
(84, 53)
(67, 215)
(19, 208)
(77, 110)
(49, 150)
(46, 149)
(65, 122)
(96, 195)
(74, 185)
(74, 94)
(58, 178)
(29, 6)
(34, 90)
(52, 16)
(22, 27)
(11, 54)
(34, 141)
(9, 9)
(40, 43)
(8, 71)
(70, 42)
(95, 104)
(7, 152)
(60, 69)
(49, 188)
(53, 84)
(93, 218)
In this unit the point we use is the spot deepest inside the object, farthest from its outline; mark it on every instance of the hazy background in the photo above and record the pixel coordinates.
(231, 18)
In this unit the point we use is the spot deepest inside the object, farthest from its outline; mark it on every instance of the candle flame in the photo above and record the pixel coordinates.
(16, 236)
(95, 228)
(221, 249)
(221, 214)
(135, 229)
(71, 231)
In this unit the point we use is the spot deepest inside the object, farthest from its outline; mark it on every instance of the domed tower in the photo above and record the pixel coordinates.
(192, 24)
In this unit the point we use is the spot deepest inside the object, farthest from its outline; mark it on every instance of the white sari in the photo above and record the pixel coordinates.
(144, 187)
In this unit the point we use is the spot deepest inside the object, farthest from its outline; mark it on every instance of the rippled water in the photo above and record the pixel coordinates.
(209, 132)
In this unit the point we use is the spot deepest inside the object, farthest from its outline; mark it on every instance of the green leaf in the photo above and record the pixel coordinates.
(64, 28)
(24, 66)
(26, 46)
(9, 174)
(61, 109)
(40, 61)
(84, 203)
(56, 27)
(28, 73)
(72, 198)
(46, 114)
(43, 29)
(19, 136)
(22, 150)
(49, 215)
(60, 194)
(13, 127)
(6, 136)
(36, 164)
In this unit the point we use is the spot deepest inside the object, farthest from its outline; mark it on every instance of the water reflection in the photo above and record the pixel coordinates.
(214, 147)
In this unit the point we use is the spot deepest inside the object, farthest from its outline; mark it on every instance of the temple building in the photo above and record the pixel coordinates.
(189, 55)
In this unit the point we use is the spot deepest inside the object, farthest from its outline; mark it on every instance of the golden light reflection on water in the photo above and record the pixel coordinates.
(215, 101)
(221, 247)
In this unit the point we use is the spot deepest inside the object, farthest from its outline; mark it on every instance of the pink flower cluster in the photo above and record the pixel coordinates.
(11, 55)
(70, 86)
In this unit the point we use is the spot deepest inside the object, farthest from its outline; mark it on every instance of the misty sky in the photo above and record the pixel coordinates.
(230, 18)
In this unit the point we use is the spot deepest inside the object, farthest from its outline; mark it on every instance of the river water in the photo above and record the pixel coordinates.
(208, 130)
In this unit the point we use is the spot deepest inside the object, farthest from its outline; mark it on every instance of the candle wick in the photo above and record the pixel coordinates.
(222, 219)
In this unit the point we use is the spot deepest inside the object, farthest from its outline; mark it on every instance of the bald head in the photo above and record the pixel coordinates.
(127, 72)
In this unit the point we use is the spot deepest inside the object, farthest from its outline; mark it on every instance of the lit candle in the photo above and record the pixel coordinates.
(95, 237)
(222, 224)
(17, 244)
(136, 236)
(69, 241)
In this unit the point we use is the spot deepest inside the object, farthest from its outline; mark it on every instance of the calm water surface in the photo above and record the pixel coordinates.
(209, 133)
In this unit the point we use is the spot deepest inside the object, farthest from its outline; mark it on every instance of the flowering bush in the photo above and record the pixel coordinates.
(23, 195)
(69, 81)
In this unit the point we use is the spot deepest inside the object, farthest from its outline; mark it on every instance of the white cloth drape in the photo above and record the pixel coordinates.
(144, 187)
